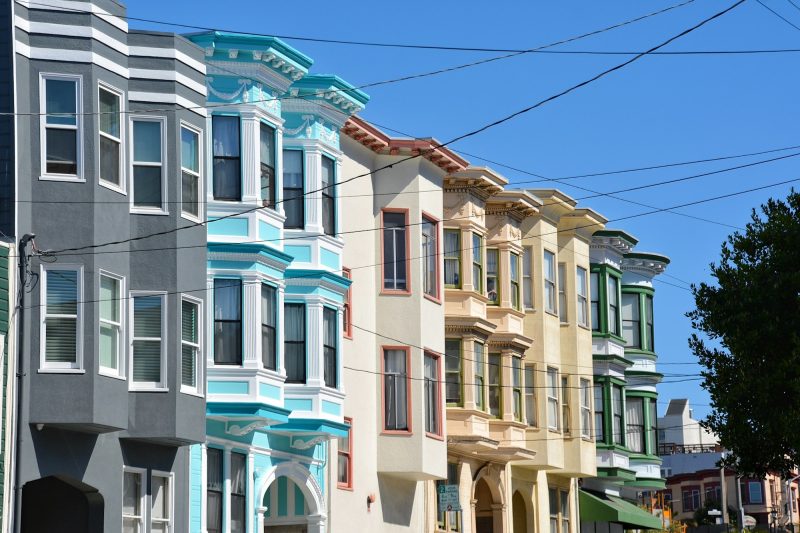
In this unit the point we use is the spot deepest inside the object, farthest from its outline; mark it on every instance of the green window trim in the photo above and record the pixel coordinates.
(650, 420)
(477, 262)
(449, 372)
(604, 272)
(494, 299)
(646, 319)
(608, 383)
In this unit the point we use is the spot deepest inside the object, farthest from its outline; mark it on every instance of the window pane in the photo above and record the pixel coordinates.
(109, 299)
(190, 193)
(494, 384)
(268, 324)
(61, 340)
(267, 144)
(131, 494)
(61, 97)
(430, 259)
(227, 321)
(62, 292)
(190, 153)
(109, 342)
(562, 292)
(147, 361)
(630, 320)
(227, 183)
(452, 257)
(62, 151)
(109, 113)
(294, 334)
(146, 141)
(452, 365)
(147, 316)
(225, 132)
(492, 272)
(159, 487)
(394, 251)
(431, 394)
(329, 340)
(395, 390)
(147, 186)
(293, 169)
(109, 160)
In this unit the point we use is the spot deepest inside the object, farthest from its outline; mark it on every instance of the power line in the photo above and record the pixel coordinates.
(458, 138)
(787, 21)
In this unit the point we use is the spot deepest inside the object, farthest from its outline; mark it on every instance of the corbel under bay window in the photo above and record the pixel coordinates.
(147, 348)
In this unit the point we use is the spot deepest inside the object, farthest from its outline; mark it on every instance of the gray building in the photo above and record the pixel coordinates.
(103, 163)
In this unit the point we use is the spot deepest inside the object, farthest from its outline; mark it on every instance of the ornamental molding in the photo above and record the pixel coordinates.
(266, 98)
(240, 430)
(261, 70)
(247, 257)
(300, 444)
(307, 281)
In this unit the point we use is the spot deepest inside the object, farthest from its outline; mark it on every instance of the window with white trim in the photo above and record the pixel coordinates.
(215, 484)
(328, 191)
(62, 317)
(527, 277)
(493, 275)
(549, 281)
(238, 492)
(160, 503)
(565, 411)
(110, 132)
(294, 342)
(111, 288)
(293, 182)
(562, 292)
(530, 395)
(190, 172)
(269, 324)
(432, 397)
(586, 408)
(581, 292)
(477, 263)
(147, 346)
(430, 257)
(227, 156)
(330, 346)
(190, 344)
(552, 398)
(267, 144)
(132, 501)
(149, 185)
(395, 258)
(61, 126)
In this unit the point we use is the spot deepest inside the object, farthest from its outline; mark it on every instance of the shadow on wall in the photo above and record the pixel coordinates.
(396, 499)
(62, 505)
(62, 453)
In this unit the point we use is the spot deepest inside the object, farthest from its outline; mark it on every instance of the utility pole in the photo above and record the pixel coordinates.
(723, 495)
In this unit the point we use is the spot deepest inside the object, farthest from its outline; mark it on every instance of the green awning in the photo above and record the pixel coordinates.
(605, 508)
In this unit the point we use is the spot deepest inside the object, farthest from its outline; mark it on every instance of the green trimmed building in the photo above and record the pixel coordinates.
(625, 379)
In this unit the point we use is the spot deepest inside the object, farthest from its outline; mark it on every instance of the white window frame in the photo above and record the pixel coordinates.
(44, 175)
(550, 283)
(199, 175)
(563, 308)
(142, 473)
(586, 393)
(170, 522)
(582, 296)
(527, 275)
(144, 385)
(164, 209)
(122, 187)
(551, 371)
(102, 370)
(198, 371)
(77, 366)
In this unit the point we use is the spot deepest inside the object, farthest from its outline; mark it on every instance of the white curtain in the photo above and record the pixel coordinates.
(635, 422)
(396, 392)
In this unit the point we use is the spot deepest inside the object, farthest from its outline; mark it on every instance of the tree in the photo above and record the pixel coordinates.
(751, 351)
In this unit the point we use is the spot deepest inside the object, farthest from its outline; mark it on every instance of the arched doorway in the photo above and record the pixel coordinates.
(520, 513)
(285, 508)
(58, 505)
(484, 508)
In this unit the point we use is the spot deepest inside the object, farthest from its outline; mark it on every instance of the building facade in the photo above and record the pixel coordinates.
(8, 301)
(106, 117)
(275, 383)
(679, 432)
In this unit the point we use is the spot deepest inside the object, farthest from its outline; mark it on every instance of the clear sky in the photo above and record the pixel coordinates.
(660, 109)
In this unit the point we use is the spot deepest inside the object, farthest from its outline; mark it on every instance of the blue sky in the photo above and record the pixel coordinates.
(658, 110)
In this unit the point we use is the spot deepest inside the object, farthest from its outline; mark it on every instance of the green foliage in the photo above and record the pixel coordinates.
(751, 350)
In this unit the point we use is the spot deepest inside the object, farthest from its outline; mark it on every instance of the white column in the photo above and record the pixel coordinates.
(336, 191)
(250, 491)
(279, 171)
(314, 376)
(250, 149)
(208, 163)
(251, 321)
(313, 181)
(226, 490)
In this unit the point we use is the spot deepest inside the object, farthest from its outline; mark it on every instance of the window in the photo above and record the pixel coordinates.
(395, 390)
(516, 385)
(477, 263)
(347, 310)
(616, 410)
(61, 125)
(652, 426)
(149, 185)
(495, 384)
(147, 343)
(527, 277)
(480, 376)
(110, 324)
(562, 292)
(648, 317)
(238, 492)
(394, 251)
(294, 342)
(515, 281)
(293, 199)
(634, 418)
(530, 396)
(132, 508)
(330, 343)
(214, 484)
(599, 408)
(691, 500)
(549, 282)
(190, 172)
(559, 511)
(565, 414)
(755, 492)
(227, 158)
(552, 398)
(580, 291)
(453, 518)
(430, 257)
(328, 196)
(613, 305)
(161, 503)
(712, 494)
(110, 131)
(452, 258)
(493, 275)
(564, 511)
(630, 320)
(345, 457)
(190, 343)
(594, 291)
(553, 497)
(227, 322)
(432, 400)
(267, 153)
(269, 325)
(586, 408)
(452, 372)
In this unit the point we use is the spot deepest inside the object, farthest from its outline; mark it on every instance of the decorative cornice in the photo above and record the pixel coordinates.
(267, 257)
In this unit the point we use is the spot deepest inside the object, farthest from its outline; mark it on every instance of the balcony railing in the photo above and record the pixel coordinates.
(672, 449)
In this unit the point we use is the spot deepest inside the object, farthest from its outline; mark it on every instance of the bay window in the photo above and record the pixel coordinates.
(215, 481)
(516, 387)
(395, 258)
(550, 282)
(452, 258)
(594, 291)
(631, 322)
(61, 125)
(328, 196)
(395, 390)
(267, 164)
(613, 305)
(432, 399)
(495, 383)
(493, 275)
(477, 263)
(238, 492)
(148, 340)
(552, 398)
(110, 324)
(565, 412)
(452, 372)
(617, 427)
(190, 172)
(652, 427)
(149, 185)
(515, 281)
(527, 277)
(227, 156)
(480, 373)
(530, 395)
(599, 410)
(581, 292)
(344, 454)
(586, 408)
(190, 343)
(294, 342)
(430, 257)
(330, 341)
(293, 199)
(269, 348)
(110, 133)
(648, 317)
(562, 292)
(634, 418)
(227, 322)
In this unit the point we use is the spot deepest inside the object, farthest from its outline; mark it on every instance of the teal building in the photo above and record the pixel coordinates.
(275, 285)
